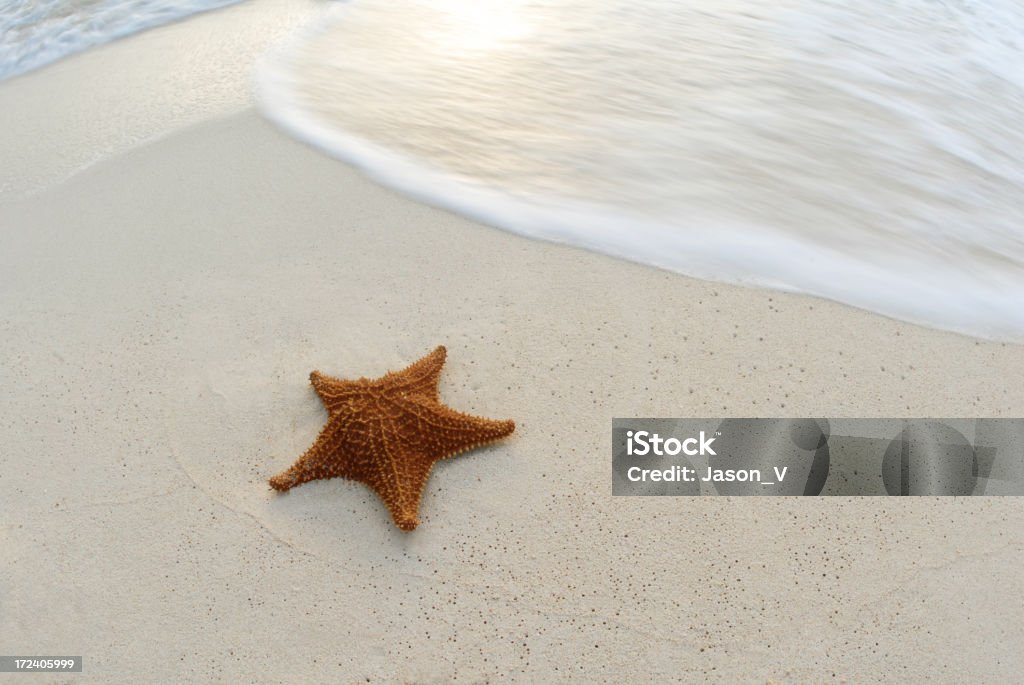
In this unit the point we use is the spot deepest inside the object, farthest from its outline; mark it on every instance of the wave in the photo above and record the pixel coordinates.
(877, 182)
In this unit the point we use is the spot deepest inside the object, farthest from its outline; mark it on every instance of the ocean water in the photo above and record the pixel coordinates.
(38, 32)
(870, 152)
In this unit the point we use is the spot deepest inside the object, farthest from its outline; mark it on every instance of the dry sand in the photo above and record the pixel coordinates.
(160, 313)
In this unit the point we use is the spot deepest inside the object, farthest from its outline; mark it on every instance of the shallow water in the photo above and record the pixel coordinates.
(868, 152)
(37, 33)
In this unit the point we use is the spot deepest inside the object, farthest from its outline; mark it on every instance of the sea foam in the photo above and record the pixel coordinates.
(871, 157)
(37, 33)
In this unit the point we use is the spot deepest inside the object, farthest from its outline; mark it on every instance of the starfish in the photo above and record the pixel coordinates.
(387, 433)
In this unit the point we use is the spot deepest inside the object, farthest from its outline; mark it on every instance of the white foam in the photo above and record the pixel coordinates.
(935, 289)
(38, 33)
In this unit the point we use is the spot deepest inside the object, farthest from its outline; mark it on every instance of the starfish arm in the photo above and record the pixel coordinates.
(334, 392)
(327, 457)
(401, 483)
(442, 432)
(419, 378)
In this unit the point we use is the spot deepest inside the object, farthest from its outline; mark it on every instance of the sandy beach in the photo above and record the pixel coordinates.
(161, 311)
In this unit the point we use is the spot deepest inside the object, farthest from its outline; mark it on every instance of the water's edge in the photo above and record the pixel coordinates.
(48, 41)
(740, 255)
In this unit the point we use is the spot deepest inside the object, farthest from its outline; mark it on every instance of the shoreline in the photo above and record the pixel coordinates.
(294, 90)
(60, 120)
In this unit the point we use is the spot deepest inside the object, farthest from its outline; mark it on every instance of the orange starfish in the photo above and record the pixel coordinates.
(387, 433)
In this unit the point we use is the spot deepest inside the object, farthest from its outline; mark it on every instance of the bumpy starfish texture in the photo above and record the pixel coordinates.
(387, 433)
